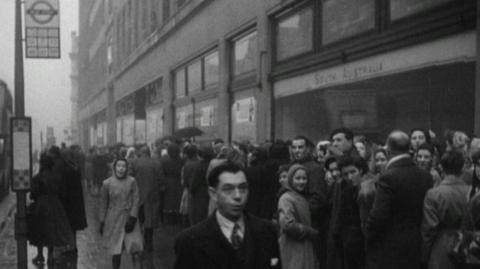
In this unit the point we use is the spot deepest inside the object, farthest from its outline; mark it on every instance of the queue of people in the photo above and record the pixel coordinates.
(345, 202)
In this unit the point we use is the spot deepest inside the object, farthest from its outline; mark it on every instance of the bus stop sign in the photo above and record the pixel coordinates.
(21, 131)
(42, 28)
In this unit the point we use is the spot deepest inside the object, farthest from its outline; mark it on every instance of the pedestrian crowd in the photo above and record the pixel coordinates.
(346, 202)
(411, 201)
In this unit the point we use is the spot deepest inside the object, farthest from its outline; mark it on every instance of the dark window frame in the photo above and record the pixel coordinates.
(207, 86)
(248, 74)
(185, 90)
(446, 19)
(287, 13)
(420, 13)
(204, 87)
(319, 41)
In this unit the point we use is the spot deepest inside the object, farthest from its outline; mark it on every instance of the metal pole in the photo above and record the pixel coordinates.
(20, 216)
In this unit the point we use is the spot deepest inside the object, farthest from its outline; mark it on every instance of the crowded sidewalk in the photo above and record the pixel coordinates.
(90, 252)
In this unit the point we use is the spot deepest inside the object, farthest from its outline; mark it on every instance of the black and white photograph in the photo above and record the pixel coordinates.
(239, 134)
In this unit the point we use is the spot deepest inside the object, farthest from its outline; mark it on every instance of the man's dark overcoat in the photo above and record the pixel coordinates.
(150, 179)
(393, 226)
(205, 247)
(198, 188)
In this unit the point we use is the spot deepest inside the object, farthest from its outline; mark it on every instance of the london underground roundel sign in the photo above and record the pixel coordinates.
(42, 12)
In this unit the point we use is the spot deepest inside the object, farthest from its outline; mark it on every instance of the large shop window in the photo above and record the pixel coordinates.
(125, 122)
(244, 110)
(206, 117)
(119, 128)
(404, 8)
(98, 129)
(180, 84)
(295, 34)
(211, 67)
(245, 54)
(346, 18)
(437, 98)
(154, 111)
(154, 124)
(92, 135)
(128, 125)
(184, 117)
(194, 77)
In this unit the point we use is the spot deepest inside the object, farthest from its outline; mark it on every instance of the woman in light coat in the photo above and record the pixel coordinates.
(443, 212)
(118, 214)
(296, 232)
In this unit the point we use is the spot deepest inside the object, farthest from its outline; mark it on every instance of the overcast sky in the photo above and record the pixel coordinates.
(47, 82)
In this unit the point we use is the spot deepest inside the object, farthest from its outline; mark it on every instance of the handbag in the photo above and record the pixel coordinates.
(134, 240)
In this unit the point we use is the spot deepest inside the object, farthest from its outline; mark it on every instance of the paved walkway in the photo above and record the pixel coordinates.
(91, 253)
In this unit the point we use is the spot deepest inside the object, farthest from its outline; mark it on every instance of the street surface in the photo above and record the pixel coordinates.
(91, 253)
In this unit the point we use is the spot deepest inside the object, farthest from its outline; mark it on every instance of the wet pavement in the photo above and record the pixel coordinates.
(91, 254)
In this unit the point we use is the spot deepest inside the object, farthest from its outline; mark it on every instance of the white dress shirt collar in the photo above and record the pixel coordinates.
(226, 226)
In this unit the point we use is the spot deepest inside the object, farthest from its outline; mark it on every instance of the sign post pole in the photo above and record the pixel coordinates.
(20, 215)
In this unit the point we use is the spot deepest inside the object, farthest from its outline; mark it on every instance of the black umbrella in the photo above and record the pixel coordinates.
(187, 132)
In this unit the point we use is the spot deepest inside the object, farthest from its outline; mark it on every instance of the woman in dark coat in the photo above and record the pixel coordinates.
(262, 185)
(190, 152)
(172, 170)
(50, 226)
(353, 170)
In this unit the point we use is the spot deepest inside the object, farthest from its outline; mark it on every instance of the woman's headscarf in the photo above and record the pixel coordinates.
(115, 165)
(291, 172)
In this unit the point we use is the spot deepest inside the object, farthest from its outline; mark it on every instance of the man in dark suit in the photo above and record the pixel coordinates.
(230, 238)
(393, 226)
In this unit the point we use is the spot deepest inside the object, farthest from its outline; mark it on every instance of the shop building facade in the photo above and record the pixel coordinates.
(258, 70)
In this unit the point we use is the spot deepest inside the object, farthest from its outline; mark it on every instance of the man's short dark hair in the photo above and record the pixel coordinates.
(227, 167)
(329, 161)
(452, 162)
(398, 142)
(308, 142)
(426, 146)
(347, 132)
(356, 161)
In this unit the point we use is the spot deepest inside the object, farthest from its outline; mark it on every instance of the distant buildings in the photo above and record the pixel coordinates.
(249, 69)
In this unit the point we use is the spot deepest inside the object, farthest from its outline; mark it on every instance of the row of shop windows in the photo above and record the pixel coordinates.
(296, 33)
(444, 100)
(336, 20)
(203, 72)
(133, 129)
